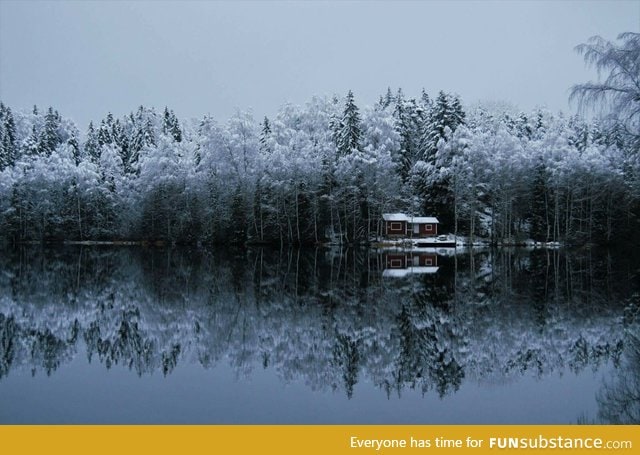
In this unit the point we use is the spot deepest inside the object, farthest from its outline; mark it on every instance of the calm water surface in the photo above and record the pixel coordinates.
(133, 335)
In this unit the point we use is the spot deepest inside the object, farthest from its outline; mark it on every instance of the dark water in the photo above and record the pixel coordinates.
(133, 335)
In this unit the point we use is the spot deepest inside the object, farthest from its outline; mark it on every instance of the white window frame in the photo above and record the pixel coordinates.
(429, 227)
(395, 226)
(395, 263)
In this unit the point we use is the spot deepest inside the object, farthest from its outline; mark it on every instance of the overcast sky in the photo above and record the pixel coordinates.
(89, 58)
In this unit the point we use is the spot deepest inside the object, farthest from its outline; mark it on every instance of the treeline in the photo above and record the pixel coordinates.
(322, 172)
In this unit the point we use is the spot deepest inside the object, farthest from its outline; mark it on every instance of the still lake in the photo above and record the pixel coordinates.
(139, 335)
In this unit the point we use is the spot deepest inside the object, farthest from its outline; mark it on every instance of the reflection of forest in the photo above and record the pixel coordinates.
(327, 317)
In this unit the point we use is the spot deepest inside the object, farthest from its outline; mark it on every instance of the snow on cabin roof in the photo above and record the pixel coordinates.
(415, 219)
(425, 219)
(395, 217)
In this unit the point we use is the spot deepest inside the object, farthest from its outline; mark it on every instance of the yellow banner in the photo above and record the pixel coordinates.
(316, 439)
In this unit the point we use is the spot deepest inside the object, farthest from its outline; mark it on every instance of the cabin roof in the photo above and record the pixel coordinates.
(424, 219)
(395, 217)
(413, 219)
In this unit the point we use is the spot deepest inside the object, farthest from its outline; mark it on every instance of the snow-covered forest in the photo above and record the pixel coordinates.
(325, 171)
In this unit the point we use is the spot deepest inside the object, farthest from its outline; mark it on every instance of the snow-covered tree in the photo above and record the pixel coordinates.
(348, 133)
(618, 95)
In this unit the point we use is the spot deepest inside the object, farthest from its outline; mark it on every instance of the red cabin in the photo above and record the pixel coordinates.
(399, 225)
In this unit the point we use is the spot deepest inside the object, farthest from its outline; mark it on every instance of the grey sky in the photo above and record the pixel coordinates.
(88, 58)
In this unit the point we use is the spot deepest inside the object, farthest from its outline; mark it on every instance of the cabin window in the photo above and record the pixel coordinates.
(428, 261)
(395, 226)
(395, 263)
(429, 227)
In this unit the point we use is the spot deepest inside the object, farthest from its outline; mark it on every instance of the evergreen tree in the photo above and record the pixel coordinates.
(597, 135)
(170, 125)
(142, 135)
(8, 150)
(265, 135)
(434, 180)
(523, 127)
(540, 125)
(121, 141)
(348, 138)
(176, 132)
(386, 100)
(427, 104)
(31, 144)
(447, 112)
(166, 121)
(145, 137)
(579, 133)
(409, 118)
(91, 145)
(346, 358)
(75, 146)
(3, 154)
(49, 137)
(105, 132)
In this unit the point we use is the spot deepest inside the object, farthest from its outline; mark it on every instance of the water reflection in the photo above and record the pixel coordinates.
(400, 320)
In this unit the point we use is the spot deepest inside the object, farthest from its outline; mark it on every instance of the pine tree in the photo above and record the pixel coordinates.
(8, 149)
(31, 143)
(166, 121)
(75, 147)
(175, 130)
(265, 135)
(410, 116)
(434, 184)
(346, 358)
(427, 104)
(523, 127)
(105, 131)
(386, 100)
(141, 134)
(540, 125)
(121, 141)
(579, 134)
(404, 114)
(142, 137)
(91, 146)
(3, 155)
(348, 137)
(447, 112)
(170, 125)
(49, 137)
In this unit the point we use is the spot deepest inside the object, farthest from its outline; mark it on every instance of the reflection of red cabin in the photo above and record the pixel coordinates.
(402, 263)
(399, 225)
(396, 261)
(424, 260)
